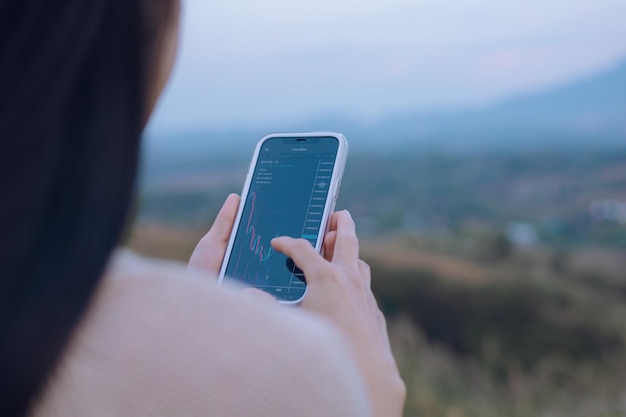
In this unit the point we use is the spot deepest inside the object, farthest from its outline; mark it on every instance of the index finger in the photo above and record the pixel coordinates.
(301, 251)
(346, 243)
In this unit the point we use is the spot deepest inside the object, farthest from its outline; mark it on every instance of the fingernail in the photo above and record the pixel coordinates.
(348, 213)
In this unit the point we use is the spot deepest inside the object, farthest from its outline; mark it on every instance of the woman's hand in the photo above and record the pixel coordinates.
(209, 253)
(338, 288)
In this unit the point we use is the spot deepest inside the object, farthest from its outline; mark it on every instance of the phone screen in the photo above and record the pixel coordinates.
(287, 197)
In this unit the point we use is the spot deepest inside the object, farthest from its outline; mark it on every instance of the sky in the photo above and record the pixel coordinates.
(276, 62)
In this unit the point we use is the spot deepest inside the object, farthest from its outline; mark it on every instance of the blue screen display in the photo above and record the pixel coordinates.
(287, 197)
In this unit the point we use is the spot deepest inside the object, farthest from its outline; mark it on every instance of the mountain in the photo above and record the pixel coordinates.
(588, 113)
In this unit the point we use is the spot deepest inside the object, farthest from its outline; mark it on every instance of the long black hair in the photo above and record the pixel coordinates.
(74, 77)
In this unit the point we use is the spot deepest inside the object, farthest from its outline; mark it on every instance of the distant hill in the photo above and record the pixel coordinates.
(590, 112)
(587, 113)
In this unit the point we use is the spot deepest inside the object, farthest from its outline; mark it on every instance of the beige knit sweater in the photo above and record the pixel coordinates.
(159, 342)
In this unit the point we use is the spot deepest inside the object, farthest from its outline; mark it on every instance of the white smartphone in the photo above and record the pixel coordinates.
(291, 190)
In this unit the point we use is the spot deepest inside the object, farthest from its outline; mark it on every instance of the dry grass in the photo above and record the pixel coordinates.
(397, 255)
(163, 241)
(442, 383)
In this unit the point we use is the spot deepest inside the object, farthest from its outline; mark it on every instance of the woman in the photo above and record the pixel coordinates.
(88, 330)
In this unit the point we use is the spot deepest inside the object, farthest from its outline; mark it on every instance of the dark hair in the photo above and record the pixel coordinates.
(74, 77)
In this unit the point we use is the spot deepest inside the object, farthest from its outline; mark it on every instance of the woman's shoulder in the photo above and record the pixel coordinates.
(160, 341)
(162, 295)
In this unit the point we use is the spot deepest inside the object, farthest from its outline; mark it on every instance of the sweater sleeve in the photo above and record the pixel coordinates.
(159, 343)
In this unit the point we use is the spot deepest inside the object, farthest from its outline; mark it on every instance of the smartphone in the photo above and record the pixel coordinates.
(290, 190)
